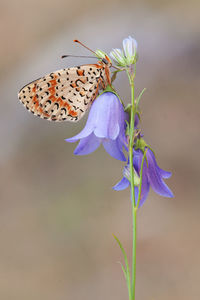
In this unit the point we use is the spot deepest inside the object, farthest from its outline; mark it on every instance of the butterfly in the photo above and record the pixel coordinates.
(66, 95)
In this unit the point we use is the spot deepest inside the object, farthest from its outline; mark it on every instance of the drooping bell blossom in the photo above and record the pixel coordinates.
(105, 125)
(152, 176)
(128, 55)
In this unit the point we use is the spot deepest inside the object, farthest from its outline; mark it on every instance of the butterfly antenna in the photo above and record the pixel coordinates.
(69, 55)
(77, 41)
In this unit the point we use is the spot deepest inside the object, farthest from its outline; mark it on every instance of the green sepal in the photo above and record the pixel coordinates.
(136, 57)
(100, 54)
(109, 88)
(128, 108)
(140, 144)
(127, 128)
(151, 150)
(138, 113)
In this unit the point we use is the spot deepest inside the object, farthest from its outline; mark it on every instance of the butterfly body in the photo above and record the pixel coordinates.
(65, 95)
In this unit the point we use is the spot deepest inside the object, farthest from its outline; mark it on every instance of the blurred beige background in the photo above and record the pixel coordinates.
(58, 211)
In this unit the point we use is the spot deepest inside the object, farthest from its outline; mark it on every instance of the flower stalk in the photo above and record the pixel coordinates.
(134, 208)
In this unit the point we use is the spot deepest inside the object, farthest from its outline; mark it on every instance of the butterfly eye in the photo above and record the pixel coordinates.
(105, 61)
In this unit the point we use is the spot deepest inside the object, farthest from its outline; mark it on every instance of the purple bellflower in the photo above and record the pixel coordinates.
(152, 176)
(105, 124)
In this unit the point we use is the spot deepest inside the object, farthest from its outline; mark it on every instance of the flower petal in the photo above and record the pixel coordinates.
(137, 160)
(143, 199)
(87, 145)
(144, 192)
(106, 121)
(137, 119)
(155, 178)
(87, 130)
(113, 148)
(108, 116)
(103, 118)
(162, 172)
(136, 190)
(145, 181)
(130, 49)
(121, 185)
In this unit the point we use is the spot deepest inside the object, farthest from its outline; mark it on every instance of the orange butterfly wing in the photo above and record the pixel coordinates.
(64, 95)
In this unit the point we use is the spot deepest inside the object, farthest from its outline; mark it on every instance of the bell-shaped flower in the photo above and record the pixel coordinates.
(105, 124)
(152, 175)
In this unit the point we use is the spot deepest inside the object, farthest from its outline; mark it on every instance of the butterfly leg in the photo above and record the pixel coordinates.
(100, 85)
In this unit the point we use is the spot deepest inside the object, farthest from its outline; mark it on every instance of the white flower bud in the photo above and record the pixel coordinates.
(118, 56)
(130, 50)
(128, 55)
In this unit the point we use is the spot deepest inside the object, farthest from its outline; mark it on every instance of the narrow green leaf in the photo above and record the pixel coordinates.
(137, 100)
(124, 271)
(128, 108)
(127, 271)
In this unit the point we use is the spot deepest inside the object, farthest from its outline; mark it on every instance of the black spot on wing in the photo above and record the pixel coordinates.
(85, 102)
(76, 81)
(56, 104)
(64, 109)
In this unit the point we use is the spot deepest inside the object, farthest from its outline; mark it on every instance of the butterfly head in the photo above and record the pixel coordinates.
(104, 58)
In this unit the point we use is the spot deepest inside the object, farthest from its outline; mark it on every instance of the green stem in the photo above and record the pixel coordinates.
(134, 207)
(134, 215)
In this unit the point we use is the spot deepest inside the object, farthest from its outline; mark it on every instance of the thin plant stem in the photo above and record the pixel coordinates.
(134, 208)
(134, 215)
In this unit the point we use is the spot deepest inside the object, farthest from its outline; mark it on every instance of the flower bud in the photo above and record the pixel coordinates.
(128, 55)
(100, 54)
(130, 50)
(118, 56)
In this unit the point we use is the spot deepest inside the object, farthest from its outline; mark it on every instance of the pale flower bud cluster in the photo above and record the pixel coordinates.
(128, 55)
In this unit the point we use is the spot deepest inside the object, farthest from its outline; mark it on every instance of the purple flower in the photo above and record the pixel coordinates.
(153, 176)
(106, 124)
